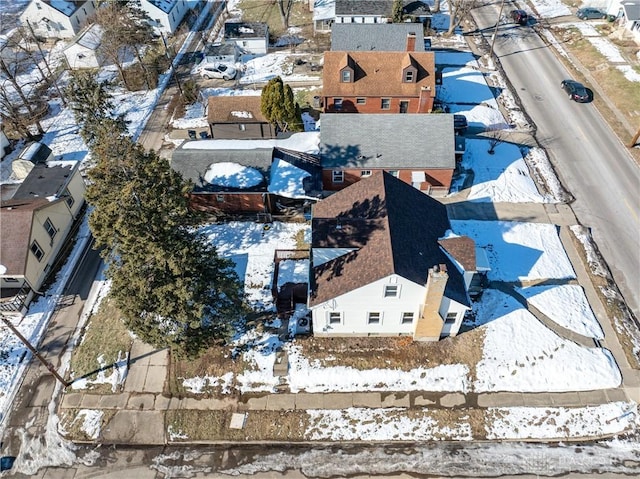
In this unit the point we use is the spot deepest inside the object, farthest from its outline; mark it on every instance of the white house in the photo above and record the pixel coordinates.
(4, 142)
(84, 51)
(57, 18)
(223, 52)
(166, 15)
(384, 263)
(251, 37)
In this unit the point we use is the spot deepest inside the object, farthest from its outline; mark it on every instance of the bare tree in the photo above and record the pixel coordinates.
(459, 10)
(284, 6)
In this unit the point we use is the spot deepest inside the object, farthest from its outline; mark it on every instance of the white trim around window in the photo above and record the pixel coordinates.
(374, 317)
(391, 291)
(337, 176)
(334, 317)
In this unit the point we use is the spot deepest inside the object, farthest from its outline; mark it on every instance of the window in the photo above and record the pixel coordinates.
(85, 11)
(337, 103)
(345, 76)
(36, 250)
(335, 317)
(11, 280)
(361, 101)
(365, 173)
(38, 6)
(337, 176)
(220, 198)
(407, 318)
(404, 106)
(242, 127)
(374, 318)
(390, 290)
(51, 230)
(451, 318)
(408, 76)
(68, 198)
(385, 104)
(393, 173)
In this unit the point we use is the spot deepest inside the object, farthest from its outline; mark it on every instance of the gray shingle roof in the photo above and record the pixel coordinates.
(245, 30)
(385, 37)
(364, 7)
(44, 181)
(387, 140)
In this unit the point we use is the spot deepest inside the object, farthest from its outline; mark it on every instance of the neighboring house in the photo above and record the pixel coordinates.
(4, 143)
(248, 180)
(34, 153)
(630, 18)
(57, 18)
(225, 53)
(379, 82)
(324, 15)
(35, 225)
(251, 37)
(388, 37)
(238, 117)
(166, 15)
(368, 11)
(84, 51)
(418, 149)
(380, 265)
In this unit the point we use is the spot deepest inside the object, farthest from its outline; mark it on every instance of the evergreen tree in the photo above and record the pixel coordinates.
(279, 107)
(397, 16)
(169, 282)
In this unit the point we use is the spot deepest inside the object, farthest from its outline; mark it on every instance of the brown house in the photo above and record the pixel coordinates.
(418, 149)
(379, 82)
(238, 117)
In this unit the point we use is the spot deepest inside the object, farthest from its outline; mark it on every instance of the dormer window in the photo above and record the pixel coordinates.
(409, 76)
(346, 75)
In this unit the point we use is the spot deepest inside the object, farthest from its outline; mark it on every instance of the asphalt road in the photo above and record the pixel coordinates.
(592, 163)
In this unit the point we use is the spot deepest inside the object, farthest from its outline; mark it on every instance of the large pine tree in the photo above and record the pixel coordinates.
(169, 282)
(278, 106)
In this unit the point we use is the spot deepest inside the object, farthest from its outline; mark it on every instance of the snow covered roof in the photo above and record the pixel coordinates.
(233, 175)
(35, 152)
(287, 180)
(245, 30)
(165, 5)
(324, 9)
(67, 7)
(306, 142)
(394, 229)
(89, 38)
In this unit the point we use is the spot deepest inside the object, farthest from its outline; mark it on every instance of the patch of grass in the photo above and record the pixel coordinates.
(269, 13)
(397, 353)
(71, 423)
(259, 426)
(104, 335)
(624, 94)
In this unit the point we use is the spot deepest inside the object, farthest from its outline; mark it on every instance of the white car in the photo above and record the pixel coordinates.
(216, 70)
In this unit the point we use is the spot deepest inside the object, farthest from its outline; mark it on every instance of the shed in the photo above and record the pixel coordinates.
(84, 50)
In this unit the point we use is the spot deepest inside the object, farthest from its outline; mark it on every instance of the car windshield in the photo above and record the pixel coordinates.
(222, 68)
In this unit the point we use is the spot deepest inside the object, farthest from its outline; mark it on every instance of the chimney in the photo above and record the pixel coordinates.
(425, 102)
(430, 323)
(411, 42)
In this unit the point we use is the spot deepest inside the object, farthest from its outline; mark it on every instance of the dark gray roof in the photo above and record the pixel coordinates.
(192, 164)
(44, 181)
(245, 29)
(221, 49)
(402, 140)
(364, 7)
(35, 152)
(385, 37)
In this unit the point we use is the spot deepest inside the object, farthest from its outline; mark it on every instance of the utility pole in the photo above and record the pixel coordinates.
(175, 73)
(495, 31)
(33, 350)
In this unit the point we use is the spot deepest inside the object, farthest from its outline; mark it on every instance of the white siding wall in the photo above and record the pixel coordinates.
(81, 57)
(257, 46)
(356, 305)
(168, 22)
(360, 19)
(59, 25)
(451, 306)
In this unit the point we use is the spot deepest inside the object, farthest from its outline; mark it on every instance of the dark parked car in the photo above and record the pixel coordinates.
(575, 90)
(520, 17)
(460, 123)
(589, 13)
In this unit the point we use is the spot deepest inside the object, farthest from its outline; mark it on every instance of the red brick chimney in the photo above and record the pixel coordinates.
(411, 42)
(425, 103)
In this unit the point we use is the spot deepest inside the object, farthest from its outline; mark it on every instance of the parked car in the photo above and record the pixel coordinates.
(589, 13)
(520, 17)
(575, 90)
(216, 70)
(460, 123)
